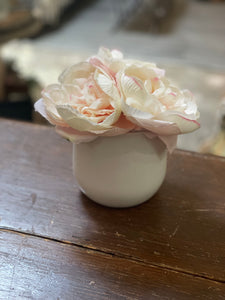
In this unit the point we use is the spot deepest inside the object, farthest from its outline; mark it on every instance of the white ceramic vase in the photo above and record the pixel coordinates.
(120, 171)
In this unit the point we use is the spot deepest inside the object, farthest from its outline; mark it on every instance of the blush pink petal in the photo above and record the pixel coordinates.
(184, 124)
(147, 121)
(156, 126)
(95, 62)
(159, 127)
(124, 123)
(190, 120)
(115, 131)
(136, 82)
(159, 72)
(74, 135)
(170, 141)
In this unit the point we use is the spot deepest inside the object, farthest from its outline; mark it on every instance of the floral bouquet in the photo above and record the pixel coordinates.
(109, 96)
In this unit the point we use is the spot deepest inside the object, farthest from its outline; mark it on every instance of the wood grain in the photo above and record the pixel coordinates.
(34, 268)
(181, 228)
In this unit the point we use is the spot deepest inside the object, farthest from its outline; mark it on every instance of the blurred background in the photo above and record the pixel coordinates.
(39, 38)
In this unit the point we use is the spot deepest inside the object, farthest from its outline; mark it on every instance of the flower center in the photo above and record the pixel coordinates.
(91, 101)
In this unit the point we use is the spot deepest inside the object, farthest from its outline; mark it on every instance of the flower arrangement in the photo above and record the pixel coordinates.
(108, 95)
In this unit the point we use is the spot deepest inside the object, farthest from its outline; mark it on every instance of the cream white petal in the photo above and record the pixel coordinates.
(148, 86)
(40, 107)
(111, 119)
(153, 105)
(78, 121)
(161, 89)
(107, 85)
(138, 63)
(182, 121)
(117, 66)
(147, 121)
(137, 96)
(52, 95)
(132, 87)
(132, 112)
(192, 110)
(51, 108)
(82, 123)
(56, 94)
(107, 56)
(104, 54)
(80, 70)
(159, 127)
(141, 72)
(72, 89)
(116, 54)
(54, 119)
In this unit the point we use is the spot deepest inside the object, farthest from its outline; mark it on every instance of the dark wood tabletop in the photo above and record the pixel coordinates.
(57, 244)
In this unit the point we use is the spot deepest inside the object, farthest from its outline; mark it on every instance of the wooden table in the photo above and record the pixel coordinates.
(57, 244)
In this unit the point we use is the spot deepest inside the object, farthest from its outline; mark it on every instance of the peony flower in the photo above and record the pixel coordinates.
(85, 103)
(150, 101)
(109, 95)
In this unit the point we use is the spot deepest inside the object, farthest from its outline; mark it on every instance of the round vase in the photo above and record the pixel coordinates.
(120, 171)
